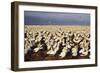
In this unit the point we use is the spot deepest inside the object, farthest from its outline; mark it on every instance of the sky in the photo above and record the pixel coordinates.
(55, 18)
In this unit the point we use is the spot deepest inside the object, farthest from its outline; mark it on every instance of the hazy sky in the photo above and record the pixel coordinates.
(46, 18)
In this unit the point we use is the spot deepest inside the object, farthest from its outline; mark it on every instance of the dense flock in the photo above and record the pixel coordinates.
(57, 43)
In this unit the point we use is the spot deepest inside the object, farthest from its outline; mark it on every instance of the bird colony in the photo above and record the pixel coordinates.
(55, 45)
